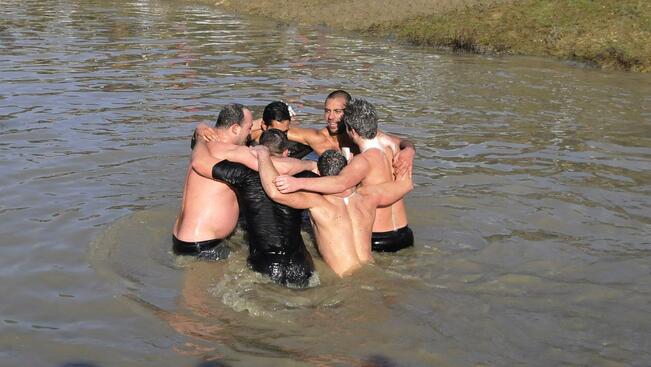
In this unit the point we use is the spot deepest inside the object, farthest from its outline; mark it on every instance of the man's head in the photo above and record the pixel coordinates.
(276, 141)
(237, 121)
(333, 111)
(360, 116)
(331, 162)
(276, 115)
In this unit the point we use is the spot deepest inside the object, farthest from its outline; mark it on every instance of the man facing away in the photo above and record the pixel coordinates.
(372, 166)
(276, 247)
(342, 221)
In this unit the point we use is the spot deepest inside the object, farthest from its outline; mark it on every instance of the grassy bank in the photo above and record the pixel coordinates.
(612, 34)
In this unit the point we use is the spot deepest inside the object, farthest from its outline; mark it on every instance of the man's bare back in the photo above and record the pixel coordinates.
(342, 225)
(343, 221)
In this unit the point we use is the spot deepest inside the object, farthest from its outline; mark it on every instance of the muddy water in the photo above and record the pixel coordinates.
(531, 210)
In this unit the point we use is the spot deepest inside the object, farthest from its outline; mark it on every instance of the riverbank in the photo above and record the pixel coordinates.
(611, 34)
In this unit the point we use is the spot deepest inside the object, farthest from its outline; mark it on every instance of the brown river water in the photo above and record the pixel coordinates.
(531, 209)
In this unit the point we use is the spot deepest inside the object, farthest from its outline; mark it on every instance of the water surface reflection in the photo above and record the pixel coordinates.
(530, 213)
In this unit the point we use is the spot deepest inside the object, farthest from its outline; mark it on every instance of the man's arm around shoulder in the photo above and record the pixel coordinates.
(387, 193)
(404, 157)
(297, 200)
(350, 176)
(305, 136)
(202, 161)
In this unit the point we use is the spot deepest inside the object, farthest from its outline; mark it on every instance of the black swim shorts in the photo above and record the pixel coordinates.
(206, 250)
(392, 241)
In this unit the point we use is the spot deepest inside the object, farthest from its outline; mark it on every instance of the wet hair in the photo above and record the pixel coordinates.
(276, 110)
(360, 116)
(275, 140)
(230, 115)
(340, 94)
(331, 162)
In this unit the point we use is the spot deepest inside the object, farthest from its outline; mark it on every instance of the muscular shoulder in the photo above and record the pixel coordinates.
(373, 156)
(388, 141)
(303, 132)
(218, 149)
(325, 207)
(378, 166)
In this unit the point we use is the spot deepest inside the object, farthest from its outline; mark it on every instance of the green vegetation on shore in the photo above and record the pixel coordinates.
(613, 34)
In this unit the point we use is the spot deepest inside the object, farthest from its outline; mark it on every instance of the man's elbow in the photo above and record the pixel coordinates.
(275, 195)
(409, 187)
(270, 189)
(344, 185)
(407, 144)
(200, 167)
(196, 164)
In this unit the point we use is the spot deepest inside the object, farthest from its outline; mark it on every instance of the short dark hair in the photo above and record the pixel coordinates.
(230, 115)
(276, 110)
(340, 94)
(275, 140)
(360, 115)
(331, 162)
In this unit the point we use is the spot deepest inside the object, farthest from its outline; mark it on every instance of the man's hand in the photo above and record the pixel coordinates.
(206, 132)
(403, 161)
(259, 151)
(404, 174)
(287, 184)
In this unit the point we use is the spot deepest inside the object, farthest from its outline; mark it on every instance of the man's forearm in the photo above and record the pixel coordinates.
(324, 185)
(267, 173)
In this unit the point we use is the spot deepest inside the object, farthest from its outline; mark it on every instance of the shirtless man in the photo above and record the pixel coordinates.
(342, 221)
(334, 135)
(370, 167)
(209, 209)
(276, 247)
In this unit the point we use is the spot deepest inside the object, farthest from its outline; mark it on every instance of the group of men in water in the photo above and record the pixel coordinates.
(355, 201)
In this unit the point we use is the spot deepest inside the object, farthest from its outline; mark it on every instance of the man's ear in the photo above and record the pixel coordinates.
(264, 126)
(352, 133)
(286, 153)
(235, 129)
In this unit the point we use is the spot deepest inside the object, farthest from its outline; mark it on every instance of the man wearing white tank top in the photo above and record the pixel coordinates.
(372, 166)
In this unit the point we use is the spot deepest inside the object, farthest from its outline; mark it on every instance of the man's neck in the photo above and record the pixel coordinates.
(366, 144)
(344, 193)
(223, 137)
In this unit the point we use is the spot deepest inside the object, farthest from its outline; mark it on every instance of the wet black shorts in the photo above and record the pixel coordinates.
(208, 250)
(293, 269)
(392, 241)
